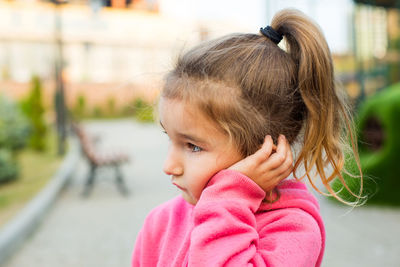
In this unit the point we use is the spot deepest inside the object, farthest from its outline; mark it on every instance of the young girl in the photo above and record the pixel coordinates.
(224, 105)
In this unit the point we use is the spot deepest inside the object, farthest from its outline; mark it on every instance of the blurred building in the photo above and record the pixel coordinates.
(100, 43)
(103, 44)
(376, 44)
(125, 42)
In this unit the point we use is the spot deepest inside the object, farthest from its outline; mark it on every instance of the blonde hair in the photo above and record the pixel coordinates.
(250, 87)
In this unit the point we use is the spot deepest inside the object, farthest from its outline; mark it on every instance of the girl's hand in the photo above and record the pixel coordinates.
(267, 167)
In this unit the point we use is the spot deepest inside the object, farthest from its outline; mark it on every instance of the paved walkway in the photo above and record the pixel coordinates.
(100, 230)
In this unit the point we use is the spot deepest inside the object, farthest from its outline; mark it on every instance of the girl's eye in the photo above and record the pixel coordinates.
(194, 148)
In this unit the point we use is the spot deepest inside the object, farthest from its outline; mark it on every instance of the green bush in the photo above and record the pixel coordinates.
(144, 112)
(14, 128)
(34, 110)
(8, 166)
(14, 133)
(378, 128)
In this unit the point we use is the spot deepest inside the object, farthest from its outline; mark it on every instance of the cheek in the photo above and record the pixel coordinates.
(225, 160)
(202, 174)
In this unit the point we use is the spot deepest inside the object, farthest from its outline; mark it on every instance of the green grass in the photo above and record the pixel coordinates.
(36, 170)
(139, 109)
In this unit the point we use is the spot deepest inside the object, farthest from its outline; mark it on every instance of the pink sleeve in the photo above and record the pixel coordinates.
(225, 231)
(136, 255)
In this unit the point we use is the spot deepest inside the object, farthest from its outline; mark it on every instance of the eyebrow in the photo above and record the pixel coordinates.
(189, 137)
(192, 138)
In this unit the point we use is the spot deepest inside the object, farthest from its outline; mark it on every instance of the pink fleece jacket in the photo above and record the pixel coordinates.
(231, 226)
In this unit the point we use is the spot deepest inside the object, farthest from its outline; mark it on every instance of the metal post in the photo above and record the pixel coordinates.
(59, 94)
(360, 75)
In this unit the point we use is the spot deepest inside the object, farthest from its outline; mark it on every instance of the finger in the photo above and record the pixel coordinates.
(277, 158)
(284, 169)
(282, 177)
(268, 146)
(274, 181)
(275, 163)
(288, 160)
(273, 148)
(289, 152)
(285, 174)
(289, 155)
(266, 149)
(278, 177)
(281, 148)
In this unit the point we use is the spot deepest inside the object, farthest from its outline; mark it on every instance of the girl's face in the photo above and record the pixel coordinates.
(197, 149)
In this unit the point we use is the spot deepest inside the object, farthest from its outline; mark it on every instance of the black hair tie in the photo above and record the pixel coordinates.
(271, 34)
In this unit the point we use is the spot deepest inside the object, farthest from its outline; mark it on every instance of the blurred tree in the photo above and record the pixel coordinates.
(34, 110)
(111, 106)
(79, 109)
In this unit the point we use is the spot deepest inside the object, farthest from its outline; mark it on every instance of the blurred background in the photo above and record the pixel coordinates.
(81, 154)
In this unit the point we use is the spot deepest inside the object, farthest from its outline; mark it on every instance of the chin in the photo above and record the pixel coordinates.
(189, 200)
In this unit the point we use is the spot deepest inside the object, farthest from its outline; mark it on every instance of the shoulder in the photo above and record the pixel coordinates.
(291, 222)
(291, 237)
(294, 194)
(297, 202)
(294, 222)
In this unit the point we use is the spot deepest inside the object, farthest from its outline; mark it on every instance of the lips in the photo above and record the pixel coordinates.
(181, 188)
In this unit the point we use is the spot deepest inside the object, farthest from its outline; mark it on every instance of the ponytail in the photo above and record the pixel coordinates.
(328, 124)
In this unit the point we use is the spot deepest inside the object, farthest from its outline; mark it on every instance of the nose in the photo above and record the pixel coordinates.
(173, 164)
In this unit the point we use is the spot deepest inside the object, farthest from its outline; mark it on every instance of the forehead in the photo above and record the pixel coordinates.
(177, 115)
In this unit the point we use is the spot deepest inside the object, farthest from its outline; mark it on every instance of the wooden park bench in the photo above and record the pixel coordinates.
(97, 160)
